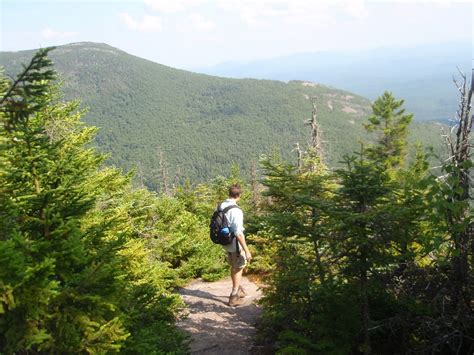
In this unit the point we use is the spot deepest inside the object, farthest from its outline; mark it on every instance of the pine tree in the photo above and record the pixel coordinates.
(74, 276)
(361, 242)
(298, 238)
(342, 236)
(390, 123)
(451, 196)
(47, 261)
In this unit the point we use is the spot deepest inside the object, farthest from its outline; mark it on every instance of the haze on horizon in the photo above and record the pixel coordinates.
(198, 33)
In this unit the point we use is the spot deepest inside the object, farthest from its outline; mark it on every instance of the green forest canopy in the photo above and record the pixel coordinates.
(198, 125)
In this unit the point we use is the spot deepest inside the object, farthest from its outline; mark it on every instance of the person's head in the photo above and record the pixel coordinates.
(235, 191)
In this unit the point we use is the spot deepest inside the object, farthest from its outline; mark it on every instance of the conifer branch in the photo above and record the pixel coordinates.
(26, 94)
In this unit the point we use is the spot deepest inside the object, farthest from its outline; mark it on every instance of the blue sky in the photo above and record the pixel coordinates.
(197, 33)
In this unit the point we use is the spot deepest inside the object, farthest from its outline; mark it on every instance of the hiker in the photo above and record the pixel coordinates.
(237, 251)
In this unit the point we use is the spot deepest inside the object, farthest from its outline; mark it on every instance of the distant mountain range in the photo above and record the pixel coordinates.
(423, 75)
(199, 124)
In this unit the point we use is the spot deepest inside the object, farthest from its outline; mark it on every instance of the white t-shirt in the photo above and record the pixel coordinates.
(236, 222)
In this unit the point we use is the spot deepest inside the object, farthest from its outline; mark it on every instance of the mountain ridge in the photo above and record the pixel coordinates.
(157, 118)
(422, 75)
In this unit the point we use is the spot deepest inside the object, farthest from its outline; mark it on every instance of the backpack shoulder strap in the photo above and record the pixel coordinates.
(225, 210)
(233, 235)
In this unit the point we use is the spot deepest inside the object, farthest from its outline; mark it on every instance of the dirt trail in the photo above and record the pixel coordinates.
(215, 327)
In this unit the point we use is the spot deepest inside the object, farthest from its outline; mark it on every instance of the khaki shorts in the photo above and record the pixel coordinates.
(237, 261)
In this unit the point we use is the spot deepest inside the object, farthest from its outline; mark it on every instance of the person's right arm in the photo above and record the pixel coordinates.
(239, 231)
(241, 239)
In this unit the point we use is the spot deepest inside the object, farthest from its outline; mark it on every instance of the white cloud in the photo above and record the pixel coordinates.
(252, 11)
(200, 23)
(357, 8)
(48, 33)
(173, 6)
(147, 24)
(294, 11)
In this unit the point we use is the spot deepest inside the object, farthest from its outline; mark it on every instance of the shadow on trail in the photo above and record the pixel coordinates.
(206, 295)
(242, 313)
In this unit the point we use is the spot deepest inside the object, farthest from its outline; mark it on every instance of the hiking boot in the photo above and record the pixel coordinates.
(241, 292)
(235, 300)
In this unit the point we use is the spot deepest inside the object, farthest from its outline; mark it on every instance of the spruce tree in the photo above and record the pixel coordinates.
(75, 275)
(452, 204)
(390, 124)
(342, 236)
(51, 266)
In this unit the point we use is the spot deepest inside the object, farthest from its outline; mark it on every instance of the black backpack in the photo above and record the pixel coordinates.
(219, 226)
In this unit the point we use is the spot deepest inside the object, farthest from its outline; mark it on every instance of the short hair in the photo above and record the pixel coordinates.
(235, 191)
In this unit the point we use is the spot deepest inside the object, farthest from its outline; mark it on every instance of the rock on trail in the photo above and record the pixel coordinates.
(215, 327)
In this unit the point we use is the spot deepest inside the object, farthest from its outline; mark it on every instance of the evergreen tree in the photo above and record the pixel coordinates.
(47, 184)
(390, 124)
(450, 327)
(74, 276)
(343, 239)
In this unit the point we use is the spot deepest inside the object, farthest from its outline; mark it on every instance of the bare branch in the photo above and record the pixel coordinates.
(299, 153)
(316, 146)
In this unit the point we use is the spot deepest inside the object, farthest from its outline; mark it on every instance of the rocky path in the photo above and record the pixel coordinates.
(215, 327)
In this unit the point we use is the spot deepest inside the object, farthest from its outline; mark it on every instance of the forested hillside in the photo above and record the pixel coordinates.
(373, 257)
(171, 124)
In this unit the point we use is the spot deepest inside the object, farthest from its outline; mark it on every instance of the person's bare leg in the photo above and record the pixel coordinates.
(234, 298)
(236, 275)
